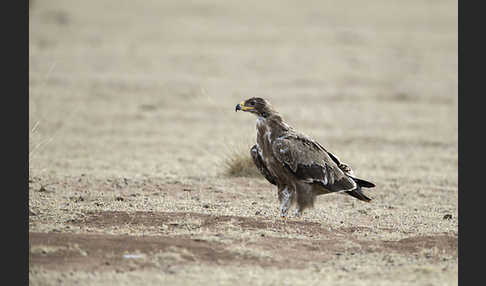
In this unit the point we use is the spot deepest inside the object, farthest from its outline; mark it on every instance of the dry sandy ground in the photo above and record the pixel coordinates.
(132, 114)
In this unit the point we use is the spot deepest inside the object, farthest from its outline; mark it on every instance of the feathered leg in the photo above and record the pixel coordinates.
(297, 212)
(285, 198)
(305, 198)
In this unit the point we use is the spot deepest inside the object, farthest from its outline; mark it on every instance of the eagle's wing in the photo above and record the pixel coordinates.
(348, 171)
(344, 167)
(310, 162)
(258, 160)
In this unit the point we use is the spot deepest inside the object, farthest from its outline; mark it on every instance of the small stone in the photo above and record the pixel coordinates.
(77, 199)
(42, 189)
(447, 216)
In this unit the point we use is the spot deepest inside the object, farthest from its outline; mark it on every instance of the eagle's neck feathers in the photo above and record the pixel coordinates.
(272, 127)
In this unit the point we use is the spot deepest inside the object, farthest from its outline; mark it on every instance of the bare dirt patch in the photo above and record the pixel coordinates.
(108, 252)
(90, 252)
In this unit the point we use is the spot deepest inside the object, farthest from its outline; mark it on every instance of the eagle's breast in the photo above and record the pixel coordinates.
(265, 139)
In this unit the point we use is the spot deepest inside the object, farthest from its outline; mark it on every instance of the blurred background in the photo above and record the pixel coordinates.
(148, 88)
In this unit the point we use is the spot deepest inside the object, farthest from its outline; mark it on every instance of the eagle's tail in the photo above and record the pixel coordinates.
(357, 193)
(363, 183)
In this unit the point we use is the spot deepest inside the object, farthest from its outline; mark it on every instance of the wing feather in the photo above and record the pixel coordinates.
(260, 164)
(310, 162)
(344, 167)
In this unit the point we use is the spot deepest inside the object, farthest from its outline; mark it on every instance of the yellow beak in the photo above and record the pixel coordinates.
(241, 106)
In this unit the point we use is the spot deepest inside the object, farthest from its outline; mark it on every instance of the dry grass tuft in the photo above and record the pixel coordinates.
(240, 164)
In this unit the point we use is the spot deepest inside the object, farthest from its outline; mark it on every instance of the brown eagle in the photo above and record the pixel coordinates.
(298, 165)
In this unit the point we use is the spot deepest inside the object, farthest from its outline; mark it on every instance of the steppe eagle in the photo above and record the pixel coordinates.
(299, 166)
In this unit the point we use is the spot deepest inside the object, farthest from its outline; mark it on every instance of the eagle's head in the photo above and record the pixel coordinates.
(256, 105)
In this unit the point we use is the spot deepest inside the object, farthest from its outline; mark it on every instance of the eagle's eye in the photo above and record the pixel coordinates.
(251, 103)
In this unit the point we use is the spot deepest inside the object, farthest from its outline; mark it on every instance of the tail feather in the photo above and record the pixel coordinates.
(357, 193)
(363, 183)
